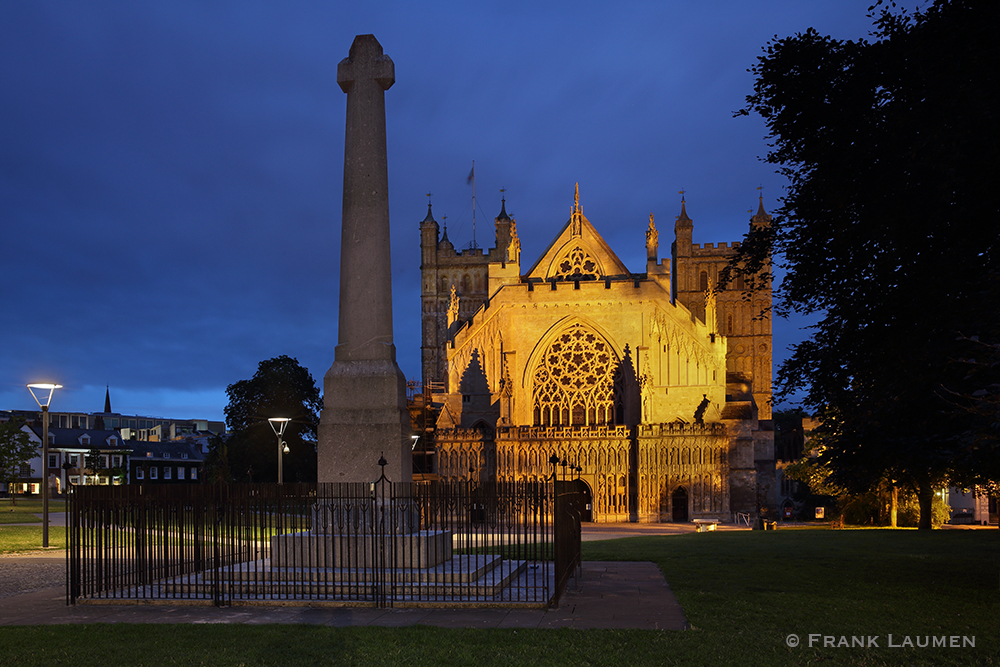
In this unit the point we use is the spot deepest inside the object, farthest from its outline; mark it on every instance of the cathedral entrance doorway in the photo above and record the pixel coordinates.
(679, 501)
(587, 511)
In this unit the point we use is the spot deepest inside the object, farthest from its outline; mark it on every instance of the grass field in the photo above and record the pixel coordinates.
(24, 510)
(29, 538)
(743, 592)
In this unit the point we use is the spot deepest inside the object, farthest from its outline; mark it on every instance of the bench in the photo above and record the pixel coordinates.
(705, 525)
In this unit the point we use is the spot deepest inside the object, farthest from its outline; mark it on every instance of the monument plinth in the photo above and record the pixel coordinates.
(364, 404)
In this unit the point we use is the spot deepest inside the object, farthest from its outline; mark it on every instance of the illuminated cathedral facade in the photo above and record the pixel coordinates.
(653, 388)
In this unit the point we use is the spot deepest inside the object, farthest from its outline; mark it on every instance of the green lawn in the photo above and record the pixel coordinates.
(29, 538)
(24, 510)
(743, 593)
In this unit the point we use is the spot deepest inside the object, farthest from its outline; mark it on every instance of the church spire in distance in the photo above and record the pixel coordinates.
(761, 218)
(683, 217)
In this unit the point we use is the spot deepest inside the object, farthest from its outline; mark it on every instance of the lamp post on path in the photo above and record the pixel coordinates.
(42, 387)
(278, 425)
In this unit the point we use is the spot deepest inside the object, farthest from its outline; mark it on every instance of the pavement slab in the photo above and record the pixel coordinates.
(608, 595)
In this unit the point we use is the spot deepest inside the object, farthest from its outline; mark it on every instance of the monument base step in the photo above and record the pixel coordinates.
(362, 584)
(460, 569)
(511, 584)
(420, 549)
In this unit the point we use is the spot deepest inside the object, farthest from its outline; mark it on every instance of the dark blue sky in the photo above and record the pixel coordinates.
(171, 172)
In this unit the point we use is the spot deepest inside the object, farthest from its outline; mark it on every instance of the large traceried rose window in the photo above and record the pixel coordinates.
(574, 380)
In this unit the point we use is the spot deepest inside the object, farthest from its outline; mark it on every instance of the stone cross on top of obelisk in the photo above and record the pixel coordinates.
(365, 417)
(365, 325)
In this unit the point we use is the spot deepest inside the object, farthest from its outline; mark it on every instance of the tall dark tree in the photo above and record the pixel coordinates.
(279, 388)
(16, 450)
(216, 468)
(888, 231)
(973, 391)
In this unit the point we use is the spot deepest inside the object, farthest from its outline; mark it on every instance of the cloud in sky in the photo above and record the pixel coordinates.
(171, 172)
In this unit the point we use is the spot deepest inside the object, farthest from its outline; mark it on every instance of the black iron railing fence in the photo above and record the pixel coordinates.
(384, 544)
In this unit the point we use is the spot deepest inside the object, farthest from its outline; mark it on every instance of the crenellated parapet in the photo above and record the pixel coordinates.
(673, 429)
(559, 433)
(709, 249)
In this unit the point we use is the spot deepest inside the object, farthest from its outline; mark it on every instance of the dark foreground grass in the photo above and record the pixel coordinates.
(744, 593)
(747, 592)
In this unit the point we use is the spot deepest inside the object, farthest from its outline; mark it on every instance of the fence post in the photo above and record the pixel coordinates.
(378, 556)
(567, 535)
(216, 549)
(73, 546)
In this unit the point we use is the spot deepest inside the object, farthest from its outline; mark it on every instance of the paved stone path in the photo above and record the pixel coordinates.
(609, 595)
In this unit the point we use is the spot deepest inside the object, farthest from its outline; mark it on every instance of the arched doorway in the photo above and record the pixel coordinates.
(679, 502)
(587, 509)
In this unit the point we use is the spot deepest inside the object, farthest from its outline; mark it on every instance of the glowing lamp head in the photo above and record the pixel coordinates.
(278, 425)
(43, 387)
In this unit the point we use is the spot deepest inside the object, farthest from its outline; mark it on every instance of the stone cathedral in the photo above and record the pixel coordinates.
(651, 388)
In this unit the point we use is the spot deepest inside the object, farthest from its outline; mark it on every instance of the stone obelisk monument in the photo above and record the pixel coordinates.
(364, 404)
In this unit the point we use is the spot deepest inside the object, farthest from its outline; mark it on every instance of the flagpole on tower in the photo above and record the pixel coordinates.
(473, 172)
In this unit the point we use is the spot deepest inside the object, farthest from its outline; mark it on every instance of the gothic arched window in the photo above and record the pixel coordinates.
(574, 380)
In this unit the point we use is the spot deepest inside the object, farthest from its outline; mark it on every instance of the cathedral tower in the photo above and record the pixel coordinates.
(469, 271)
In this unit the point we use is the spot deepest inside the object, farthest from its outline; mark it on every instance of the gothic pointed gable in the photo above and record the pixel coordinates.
(577, 253)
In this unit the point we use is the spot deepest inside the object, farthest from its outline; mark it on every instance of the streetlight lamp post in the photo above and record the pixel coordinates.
(41, 387)
(278, 425)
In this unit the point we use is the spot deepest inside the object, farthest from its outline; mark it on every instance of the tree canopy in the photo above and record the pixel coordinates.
(889, 232)
(16, 450)
(280, 388)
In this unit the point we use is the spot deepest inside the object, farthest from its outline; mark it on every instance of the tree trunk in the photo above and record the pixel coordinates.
(925, 494)
(893, 504)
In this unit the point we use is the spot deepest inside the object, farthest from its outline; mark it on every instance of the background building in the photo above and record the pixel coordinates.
(172, 462)
(112, 436)
(76, 457)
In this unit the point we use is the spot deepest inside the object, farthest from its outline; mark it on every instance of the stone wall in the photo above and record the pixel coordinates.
(632, 473)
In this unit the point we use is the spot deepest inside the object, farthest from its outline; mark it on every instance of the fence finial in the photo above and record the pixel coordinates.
(382, 462)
